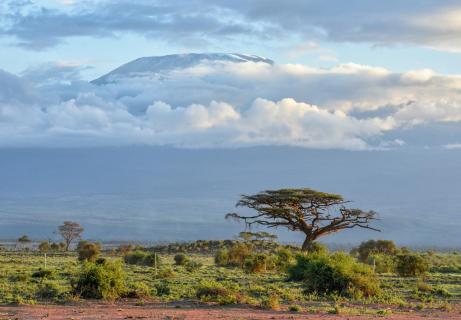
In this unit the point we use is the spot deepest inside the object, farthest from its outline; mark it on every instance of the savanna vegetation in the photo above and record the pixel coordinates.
(376, 277)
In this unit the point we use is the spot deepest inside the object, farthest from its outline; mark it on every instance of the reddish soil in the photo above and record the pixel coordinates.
(190, 312)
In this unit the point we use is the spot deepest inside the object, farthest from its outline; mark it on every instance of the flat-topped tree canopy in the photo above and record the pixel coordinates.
(312, 212)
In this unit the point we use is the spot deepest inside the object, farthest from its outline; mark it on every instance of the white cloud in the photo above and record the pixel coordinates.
(222, 104)
(452, 146)
(431, 23)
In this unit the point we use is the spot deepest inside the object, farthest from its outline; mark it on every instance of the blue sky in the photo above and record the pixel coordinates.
(398, 38)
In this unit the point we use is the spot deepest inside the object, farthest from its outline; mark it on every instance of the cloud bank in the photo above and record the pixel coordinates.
(431, 23)
(225, 104)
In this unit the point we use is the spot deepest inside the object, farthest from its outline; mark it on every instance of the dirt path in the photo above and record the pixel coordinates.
(157, 311)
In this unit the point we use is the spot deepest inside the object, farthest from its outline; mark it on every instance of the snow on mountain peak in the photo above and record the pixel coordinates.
(158, 64)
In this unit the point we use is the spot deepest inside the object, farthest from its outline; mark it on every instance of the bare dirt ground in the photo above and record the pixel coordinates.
(191, 312)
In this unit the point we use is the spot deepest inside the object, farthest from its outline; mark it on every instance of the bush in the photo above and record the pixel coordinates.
(47, 290)
(42, 273)
(294, 308)
(337, 274)
(165, 272)
(256, 263)
(365, 249)
(100, 281)
(123, 249)
(211, 291)
(222, 257)
(44, 246)
(238, 254)
(317, 247)
(139, 290)
(192, 266)
(411, 265)
(142, 258)
(284, 258)
(88, 251)
(383, 263)
(272, 302)
(163, 289)
(180, 259)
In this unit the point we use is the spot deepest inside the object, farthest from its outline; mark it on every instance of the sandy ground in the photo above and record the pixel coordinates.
(158, 311)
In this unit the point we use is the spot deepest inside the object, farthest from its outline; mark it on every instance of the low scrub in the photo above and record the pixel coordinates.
(180, 259)
(382, 263)
(335, 274)
(192, 266)
(238, 254)
(211, 291)
(88, 251)
(142, 258)
(48, 291)
(271, 302)
(100, 281)
(221, 257)
(370, 247)
(411, 265)
(42, 273)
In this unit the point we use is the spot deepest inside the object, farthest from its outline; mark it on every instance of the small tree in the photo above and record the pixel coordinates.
(367, 248)
(246, 235)
(411, 265)
(314, 213)
(88, 251)
(70, 231)
(23, 241)
(44, 246)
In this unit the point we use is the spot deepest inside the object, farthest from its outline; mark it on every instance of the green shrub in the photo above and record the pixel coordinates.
(211, 291)
(411, 265)
(294, 308)
(222, 257)
(180, 259)
(165, 273)
(42, 273)
(365, 249)
(238, 254)
(44, 246)
(139, 290)
(317, 247)
(88, 251)
(383, 263)
(271, 302)
(163, 289)
(48, 290)
(337, 274)
(256, 263)
(100, 281)
(192, 266)
(284, 259)
(142, 258)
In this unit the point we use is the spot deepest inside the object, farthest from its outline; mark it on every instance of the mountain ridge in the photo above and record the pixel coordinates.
(157, 64)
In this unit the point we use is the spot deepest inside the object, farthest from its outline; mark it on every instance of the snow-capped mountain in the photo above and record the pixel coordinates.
(158, 64)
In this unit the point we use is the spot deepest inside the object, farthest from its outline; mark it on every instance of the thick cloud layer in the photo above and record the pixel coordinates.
(225, 104)
(431, 23)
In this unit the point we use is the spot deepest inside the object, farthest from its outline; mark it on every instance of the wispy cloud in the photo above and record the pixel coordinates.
(431, 23)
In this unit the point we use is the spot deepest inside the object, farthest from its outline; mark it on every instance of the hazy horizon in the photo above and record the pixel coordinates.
(150, 126)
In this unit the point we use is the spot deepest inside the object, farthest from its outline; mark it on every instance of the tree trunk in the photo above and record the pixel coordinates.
(308, 245)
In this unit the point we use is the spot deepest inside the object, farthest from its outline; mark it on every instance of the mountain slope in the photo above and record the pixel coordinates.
(157, 64)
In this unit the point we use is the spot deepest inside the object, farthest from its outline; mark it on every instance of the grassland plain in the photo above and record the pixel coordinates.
(28, 279)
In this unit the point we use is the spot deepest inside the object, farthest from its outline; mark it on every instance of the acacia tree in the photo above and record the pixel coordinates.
(70, 231)
(23, 241)
(312, 212)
